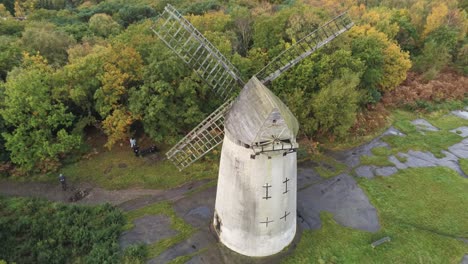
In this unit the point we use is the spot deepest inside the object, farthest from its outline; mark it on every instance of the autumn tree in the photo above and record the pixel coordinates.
(39, 134)
(386, 64)
(51, 43)
(103, 25)
(121, 71)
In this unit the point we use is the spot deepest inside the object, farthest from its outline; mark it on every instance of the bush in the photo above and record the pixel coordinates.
(37, 231)
(334, 107)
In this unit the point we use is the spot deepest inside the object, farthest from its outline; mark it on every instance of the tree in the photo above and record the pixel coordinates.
(121, 71)
(334, 107)
(10, 55)
(172, 99)
(132, 13)
(436, 18)
(103, 25)
(39, 136)
(4, 13)
(49, 42)
(386, 64)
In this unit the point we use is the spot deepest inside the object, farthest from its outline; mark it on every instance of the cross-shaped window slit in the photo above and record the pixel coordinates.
(285, 215)
(266, 222)
(286, 185)
(266, 186)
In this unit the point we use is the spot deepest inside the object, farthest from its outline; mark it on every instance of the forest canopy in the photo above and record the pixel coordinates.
(70, 64)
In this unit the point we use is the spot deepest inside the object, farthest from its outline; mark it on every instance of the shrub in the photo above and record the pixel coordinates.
(37, 231)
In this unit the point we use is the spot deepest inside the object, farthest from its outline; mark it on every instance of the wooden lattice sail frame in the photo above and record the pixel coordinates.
(223, 78)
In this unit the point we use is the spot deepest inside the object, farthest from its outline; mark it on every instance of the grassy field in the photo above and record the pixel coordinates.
(422, 210)
(119, 168)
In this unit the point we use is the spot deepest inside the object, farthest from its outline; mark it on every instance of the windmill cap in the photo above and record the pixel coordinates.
(259, 115)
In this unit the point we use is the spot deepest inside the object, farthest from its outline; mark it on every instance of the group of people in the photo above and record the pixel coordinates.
(136, 148)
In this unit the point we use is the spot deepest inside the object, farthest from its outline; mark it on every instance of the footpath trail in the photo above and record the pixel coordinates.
(194, 202)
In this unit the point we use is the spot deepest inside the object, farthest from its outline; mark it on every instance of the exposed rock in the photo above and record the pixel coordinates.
(386, 171)
(464, 259)
(398, 164)
(148, 229)
(343, 198)
(427, 159)
(365, 171)
(461, 113)
(393, 132)
(424, 125)
(460, 149)
(461, 131)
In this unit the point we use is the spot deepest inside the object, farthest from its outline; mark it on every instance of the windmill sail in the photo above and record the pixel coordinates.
(203, 138)
(305, 47)
(196, 51)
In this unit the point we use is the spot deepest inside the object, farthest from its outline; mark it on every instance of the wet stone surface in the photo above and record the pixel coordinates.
(460, 150)
(365, 171)
(385, 171)
(340, 196)
(398, 164)
(461, 131)
(461, 113)
(424, 125)
(464, 259)
(393, 132)
(196, 242)
(148, 229)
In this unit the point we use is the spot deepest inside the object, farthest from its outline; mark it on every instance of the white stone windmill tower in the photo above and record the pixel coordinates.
(255, 212)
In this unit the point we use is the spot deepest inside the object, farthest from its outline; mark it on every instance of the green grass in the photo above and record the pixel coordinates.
(184, 230)
(446, 122)
(380, 157)
(422, 210)
(464, 165)
(120, 169)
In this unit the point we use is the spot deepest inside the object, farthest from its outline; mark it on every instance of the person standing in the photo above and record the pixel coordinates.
(132, 142)
(63, 182)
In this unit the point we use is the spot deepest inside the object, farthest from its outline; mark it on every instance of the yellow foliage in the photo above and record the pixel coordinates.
(436, 18)
(396, 61)
(396, 65)
(116, 126)
(212, 21)
(4, 12)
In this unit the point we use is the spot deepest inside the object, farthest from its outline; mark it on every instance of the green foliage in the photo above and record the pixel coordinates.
(464, 165)
(424, 226)
(48, 41)
(10, 55)
(103, 25)
(334, 107)
(133, 13)
(37, 231)
(171, 100)
(11, 27)
(432, 59)
(38, 135)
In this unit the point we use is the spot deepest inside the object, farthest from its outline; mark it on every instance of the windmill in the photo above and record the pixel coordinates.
(255, 211)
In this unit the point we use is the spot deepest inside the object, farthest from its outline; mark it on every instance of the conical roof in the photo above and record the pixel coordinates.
(258, 116)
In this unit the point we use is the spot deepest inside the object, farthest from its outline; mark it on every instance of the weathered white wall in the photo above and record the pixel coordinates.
(240, 206)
